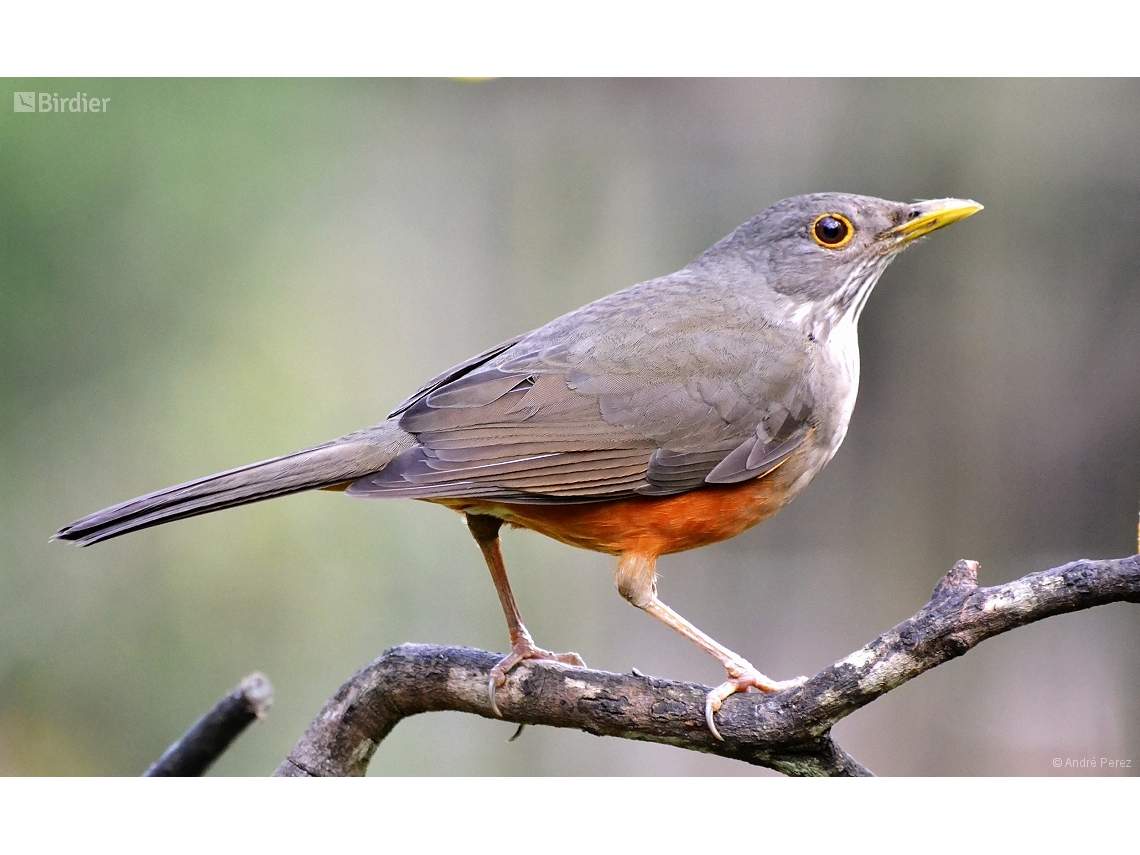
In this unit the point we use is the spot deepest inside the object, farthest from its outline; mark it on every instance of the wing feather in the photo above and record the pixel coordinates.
(548, 419)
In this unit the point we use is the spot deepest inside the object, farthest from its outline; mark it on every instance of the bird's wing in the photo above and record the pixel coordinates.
(455, 373)
(590, 419)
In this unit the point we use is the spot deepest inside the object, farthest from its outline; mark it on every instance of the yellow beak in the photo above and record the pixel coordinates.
(928, 216)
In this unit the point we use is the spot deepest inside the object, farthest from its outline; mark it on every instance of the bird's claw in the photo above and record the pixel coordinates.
(522, 649)
(741, 680)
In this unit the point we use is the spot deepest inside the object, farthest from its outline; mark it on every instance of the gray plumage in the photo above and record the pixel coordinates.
(711, 375)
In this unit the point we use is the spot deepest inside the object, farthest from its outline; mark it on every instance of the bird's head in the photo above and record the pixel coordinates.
(823, 253)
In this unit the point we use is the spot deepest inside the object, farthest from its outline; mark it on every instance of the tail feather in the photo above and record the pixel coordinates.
(333, 463)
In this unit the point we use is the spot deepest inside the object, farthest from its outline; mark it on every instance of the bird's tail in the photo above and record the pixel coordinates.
(329, 465)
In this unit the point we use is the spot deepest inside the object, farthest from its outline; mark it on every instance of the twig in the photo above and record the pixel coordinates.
(788, 731)
(212, 734)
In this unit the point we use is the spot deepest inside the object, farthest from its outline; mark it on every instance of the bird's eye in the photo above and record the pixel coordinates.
(832, 231)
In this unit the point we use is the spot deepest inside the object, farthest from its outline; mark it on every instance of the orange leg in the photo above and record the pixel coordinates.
(637, 582)
(485, 530)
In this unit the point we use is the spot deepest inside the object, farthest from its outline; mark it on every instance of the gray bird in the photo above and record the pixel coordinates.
(667, 416)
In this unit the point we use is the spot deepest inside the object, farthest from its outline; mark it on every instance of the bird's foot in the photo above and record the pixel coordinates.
(524, 648)
(741, 678)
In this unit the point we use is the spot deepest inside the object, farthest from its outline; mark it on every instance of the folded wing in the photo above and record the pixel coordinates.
(535, 424)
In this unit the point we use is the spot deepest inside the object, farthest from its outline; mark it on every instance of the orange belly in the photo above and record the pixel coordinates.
(653, 526)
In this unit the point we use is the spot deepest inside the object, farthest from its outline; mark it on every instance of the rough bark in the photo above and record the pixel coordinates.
(787, 731)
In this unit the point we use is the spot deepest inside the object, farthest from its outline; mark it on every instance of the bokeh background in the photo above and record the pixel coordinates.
(215, 272)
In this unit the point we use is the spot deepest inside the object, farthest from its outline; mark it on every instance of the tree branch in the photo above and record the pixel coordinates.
(787, 731)
(212, 734)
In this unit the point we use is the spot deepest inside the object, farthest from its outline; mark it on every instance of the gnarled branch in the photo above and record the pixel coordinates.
(789, 731)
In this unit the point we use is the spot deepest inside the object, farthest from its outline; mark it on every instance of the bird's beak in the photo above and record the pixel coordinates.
(928, 216)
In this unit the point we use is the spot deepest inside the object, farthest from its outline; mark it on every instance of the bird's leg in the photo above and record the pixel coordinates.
(637, 582)
(485, 529)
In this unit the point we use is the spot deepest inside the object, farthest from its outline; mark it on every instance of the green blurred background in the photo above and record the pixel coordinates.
(215, 272)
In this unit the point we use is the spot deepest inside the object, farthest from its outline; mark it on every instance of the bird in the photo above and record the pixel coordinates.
(670, 415)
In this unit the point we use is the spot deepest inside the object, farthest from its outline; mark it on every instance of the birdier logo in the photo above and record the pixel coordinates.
(51, 102)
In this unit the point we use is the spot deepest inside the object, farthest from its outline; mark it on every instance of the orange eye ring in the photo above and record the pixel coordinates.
(832, 231)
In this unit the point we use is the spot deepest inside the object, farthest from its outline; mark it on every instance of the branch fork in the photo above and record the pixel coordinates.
(789, 731)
